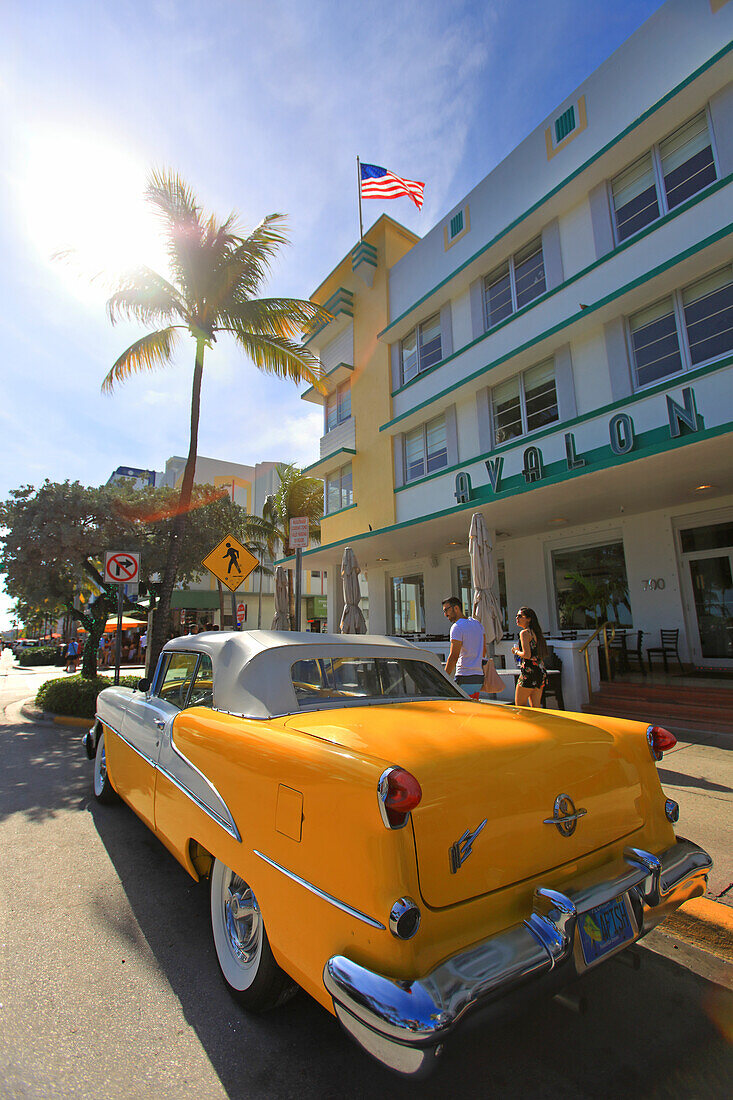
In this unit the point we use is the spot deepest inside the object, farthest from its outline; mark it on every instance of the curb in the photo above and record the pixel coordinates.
(46, 718)
(706, 924)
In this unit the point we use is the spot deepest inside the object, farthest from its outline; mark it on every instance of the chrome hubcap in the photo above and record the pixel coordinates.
(242, 919)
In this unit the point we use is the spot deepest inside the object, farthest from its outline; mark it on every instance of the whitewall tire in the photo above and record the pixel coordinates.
(242, 948)
(103, 790)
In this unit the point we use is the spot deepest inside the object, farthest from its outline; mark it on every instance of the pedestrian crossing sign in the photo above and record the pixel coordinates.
(230, 562)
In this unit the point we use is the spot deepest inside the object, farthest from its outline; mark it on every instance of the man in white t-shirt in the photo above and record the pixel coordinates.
(467, 647)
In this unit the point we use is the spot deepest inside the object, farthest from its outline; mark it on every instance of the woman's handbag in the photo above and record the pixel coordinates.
(493, 682)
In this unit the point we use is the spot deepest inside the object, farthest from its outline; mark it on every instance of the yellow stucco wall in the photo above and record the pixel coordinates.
(371, 385)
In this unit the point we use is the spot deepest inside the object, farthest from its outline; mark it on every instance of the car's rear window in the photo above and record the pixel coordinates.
(340, 679)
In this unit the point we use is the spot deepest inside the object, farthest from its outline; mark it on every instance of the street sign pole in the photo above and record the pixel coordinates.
(235, 624)
(298, 566)
(118, 645)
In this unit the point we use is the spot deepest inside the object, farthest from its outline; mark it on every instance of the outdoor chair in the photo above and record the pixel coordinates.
(636, 653)
(670, 645)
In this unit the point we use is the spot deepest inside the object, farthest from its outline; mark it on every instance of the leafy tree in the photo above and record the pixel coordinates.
(56, 538)
(296, 495)
(216, 273)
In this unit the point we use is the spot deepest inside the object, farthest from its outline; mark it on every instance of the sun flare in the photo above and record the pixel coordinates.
(81, 194)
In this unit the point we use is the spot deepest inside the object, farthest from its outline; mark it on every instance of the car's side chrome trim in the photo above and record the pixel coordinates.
(322, 894)
(228, 825)
(143, 755)
(98, 718)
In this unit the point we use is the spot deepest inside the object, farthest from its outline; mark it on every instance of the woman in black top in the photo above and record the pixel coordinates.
(531, 651)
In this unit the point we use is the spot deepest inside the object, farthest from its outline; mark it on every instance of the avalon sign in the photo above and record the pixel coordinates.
(622, 439)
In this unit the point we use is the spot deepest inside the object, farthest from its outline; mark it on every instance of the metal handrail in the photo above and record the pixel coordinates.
(603, 629)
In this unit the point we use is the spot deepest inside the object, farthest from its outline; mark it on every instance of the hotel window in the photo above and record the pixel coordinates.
(426, 449)
(591, 587)
(685, 329)
(669, 173)
(338, 406)
(514, 283)
(525, 403)
(339, 491)
(421, 349)
(408, 605)
(465, 591)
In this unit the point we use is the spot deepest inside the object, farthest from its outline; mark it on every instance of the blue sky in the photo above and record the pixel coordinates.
(262, 107)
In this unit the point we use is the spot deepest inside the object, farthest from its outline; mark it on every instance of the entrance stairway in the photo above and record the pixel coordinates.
(677, 707)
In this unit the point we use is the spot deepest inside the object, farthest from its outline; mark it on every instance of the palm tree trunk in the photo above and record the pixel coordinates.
(178, 530)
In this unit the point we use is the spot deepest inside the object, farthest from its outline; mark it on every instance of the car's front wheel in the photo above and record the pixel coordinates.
(103, 790)
(242, 948)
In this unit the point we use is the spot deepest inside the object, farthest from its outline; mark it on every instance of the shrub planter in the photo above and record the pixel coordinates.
(75, 697)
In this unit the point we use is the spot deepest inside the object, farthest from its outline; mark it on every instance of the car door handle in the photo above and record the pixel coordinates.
(160, 723)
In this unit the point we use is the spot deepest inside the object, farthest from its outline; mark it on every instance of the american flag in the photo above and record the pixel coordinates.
(378, 183)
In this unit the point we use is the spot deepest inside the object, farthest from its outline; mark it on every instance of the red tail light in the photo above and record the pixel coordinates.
(399, 793)
(660, 741)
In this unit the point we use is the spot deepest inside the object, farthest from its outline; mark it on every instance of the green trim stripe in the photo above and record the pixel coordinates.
(451, 390)
(562, 426)
(327, 515)
(327, 458)
(681, 209)
(568, 179)
(657, 448)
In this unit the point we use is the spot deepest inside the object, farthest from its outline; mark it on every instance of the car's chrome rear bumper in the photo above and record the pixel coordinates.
(403, 1023)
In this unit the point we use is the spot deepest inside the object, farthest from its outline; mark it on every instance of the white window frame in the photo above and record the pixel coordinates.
(512, 283)
(659, 177)
(424, 427)
(339, 418)
(417, 331)
(340, 473)
(682, 338)
(523, 405)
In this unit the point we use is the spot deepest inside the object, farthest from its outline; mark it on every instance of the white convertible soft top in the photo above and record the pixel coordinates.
(252, 668)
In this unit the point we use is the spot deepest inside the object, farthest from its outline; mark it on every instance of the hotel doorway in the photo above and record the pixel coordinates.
(707, 573)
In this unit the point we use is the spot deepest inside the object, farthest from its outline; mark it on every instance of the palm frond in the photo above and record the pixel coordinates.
(144, 295)
(287, 317)
(280, 357)
(249, 260)
(153, 350)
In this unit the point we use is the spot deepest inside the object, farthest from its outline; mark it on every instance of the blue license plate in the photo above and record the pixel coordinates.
(604, 929)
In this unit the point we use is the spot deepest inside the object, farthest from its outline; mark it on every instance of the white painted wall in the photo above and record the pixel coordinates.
(576, 238)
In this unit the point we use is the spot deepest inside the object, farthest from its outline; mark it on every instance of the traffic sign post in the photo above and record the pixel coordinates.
(121, 568)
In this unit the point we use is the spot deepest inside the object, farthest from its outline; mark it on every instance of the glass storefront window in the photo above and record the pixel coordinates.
(591, 587)
(465, 591)
(408, 605)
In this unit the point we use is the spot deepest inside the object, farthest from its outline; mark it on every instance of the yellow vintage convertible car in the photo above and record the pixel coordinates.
(406, 855)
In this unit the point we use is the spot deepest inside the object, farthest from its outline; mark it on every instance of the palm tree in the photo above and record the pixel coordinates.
(215, 274)
(296, 495)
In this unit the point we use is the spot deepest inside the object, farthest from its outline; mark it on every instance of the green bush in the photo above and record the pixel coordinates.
(75, 697)
(41, 655)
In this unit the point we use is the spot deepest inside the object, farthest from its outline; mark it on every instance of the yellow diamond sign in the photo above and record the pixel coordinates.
(230, 562)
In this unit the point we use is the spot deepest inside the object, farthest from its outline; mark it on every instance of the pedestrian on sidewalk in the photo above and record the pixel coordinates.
(467, 647)
(532, 654)
(72, 655)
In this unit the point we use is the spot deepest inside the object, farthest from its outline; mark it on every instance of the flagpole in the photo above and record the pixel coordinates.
(358, 180)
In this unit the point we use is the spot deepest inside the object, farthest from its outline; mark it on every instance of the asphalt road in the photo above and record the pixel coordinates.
(109, 985)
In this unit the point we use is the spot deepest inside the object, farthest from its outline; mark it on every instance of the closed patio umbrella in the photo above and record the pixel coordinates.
(485, 604)
(282, 603)
(352, 618)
